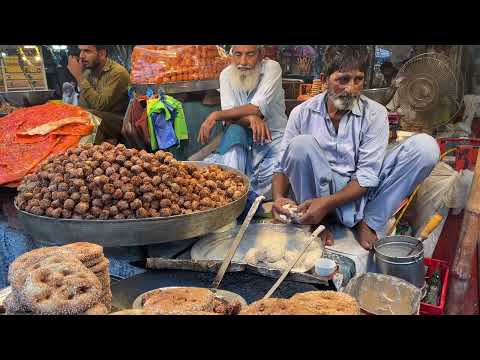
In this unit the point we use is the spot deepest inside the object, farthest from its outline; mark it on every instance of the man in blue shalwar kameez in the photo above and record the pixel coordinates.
(335, 158)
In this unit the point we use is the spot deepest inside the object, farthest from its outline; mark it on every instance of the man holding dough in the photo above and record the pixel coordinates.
(335, 157)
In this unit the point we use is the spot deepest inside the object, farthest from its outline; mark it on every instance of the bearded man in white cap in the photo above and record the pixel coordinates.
(253, 110)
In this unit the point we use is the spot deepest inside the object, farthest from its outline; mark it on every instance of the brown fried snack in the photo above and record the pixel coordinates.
(276, 307)
(98, 309)
(101, 182)
(179, 300)
(106, 298)
(223, 307)
(85, 251)
(13, 304)
(328, 302)
(101, 267)
(66, 288)
(93, 262)
(20, 267)
(133, 312)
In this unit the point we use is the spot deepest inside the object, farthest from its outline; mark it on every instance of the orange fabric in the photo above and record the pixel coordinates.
(21, 155)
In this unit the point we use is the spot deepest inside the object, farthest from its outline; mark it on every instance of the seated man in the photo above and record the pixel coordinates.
(253, 107)
(335, 156)
(103, 87)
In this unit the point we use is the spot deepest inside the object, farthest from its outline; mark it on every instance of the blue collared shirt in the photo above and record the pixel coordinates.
(269, 95)
(359, 147)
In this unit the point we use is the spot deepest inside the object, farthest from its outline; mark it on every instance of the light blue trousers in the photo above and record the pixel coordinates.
(403, 168)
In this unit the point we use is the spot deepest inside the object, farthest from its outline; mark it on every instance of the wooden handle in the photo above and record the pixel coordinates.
(192, 265)
(431, 225)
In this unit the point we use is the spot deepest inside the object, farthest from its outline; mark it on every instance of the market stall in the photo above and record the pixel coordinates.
(194, 258)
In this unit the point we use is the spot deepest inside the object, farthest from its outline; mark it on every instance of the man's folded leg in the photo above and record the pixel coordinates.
(404, 167)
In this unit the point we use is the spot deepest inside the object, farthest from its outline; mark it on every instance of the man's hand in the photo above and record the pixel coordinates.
(207, 127)
(278, 209)
(75, 67)
(314, 210)
(260, 130)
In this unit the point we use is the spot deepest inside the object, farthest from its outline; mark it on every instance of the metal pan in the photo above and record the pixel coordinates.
(225, 295)
(48, 231)
(380, 294)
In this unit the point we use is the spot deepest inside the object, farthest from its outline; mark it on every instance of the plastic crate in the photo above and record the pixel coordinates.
(466, 152)
(427, 309)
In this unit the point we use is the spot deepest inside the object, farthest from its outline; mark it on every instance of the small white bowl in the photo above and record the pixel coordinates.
(325, 267)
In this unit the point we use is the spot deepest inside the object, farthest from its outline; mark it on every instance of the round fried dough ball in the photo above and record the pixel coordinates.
(136, 204)
(69, 204)
(81, 208)
(122, 205)
(66, 214)
(118, 194)
(164, 212)
(142, 213)
(176, 209)
(165, 203)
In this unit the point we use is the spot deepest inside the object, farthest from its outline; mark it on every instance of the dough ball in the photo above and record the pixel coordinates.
(262, 253)
(251, 256)
(289, 256)
(275, 252)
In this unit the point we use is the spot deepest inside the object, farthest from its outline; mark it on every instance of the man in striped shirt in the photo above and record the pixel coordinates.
(335, 158)
(103, 87)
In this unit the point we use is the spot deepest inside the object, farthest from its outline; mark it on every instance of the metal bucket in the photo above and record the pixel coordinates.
(391, 258)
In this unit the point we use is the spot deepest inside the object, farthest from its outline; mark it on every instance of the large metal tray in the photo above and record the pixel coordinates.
(48, 231)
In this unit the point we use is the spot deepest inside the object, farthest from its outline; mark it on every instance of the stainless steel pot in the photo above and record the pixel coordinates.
(391, 258)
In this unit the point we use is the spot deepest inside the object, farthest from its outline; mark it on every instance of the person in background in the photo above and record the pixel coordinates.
(253, 109)
(335, 159)
(70, 96)
(389, 72)
(103, 86)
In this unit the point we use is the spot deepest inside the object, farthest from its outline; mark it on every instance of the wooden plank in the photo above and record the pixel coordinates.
(462, 269)
(192, 265)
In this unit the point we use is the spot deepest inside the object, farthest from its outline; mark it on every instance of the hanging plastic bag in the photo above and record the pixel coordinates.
(158, 64)
(164, 131)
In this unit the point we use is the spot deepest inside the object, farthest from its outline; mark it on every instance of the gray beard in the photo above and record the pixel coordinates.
(343, 101)
(245, 80)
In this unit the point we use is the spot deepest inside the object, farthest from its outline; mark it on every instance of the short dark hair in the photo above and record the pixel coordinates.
(103, 47)
(344, 58)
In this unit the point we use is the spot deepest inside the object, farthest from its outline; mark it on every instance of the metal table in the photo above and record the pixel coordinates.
(178, 87)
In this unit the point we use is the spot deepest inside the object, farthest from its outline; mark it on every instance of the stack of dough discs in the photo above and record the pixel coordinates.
(91, 255)
(98, 309)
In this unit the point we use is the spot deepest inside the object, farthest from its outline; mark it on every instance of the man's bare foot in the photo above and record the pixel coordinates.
(366, 237)
(326, 235)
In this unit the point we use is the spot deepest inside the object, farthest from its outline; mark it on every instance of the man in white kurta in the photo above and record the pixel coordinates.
(253, 110)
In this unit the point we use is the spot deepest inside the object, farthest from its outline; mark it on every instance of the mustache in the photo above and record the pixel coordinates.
(243, 68)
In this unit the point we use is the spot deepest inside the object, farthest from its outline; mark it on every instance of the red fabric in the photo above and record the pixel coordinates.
(20, 155)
